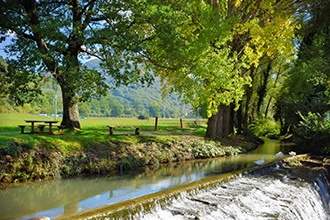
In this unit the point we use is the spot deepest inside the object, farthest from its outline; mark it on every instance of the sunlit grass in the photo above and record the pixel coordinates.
(94, 132)
(10, 122)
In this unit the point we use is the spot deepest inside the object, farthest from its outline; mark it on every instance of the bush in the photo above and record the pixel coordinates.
(201, 150)
(266, 127)
(314, 130)
(129, 163)
(142, 117)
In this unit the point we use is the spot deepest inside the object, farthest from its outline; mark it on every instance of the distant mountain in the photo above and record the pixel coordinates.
(146, 100)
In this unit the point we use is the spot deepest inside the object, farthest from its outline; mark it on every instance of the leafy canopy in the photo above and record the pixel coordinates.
(204, 50)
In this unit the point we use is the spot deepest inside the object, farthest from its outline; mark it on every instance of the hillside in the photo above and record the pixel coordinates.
(136, 99)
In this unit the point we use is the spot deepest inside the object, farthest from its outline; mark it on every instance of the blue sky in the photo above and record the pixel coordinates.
(3, 44)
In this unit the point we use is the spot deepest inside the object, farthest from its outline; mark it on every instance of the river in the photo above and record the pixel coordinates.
(242, 194)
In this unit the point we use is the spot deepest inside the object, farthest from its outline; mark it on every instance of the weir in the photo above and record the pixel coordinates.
(268, 192)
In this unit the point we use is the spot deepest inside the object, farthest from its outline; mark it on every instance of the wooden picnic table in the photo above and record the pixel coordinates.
(49, 122)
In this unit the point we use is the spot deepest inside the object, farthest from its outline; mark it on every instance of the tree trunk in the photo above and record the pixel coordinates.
(263, 87)
(247, 110)
(70, 111)
(211, 127)
(226, 120)
(239, 119)
(249, 92)
(231, 120)
(221, 124)
(267, 107)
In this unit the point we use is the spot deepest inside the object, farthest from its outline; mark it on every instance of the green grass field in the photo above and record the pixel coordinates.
(10, 122)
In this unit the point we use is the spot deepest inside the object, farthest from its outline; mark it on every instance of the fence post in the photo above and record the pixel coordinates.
(110, 130)
(181, 126)
(156, 123)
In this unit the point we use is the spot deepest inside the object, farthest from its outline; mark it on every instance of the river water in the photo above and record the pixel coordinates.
(243, 197)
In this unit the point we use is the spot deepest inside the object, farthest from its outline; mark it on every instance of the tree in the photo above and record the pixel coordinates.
(307, 86)
(209, 50)
(154, 109)
(117, 109)
(51, 38)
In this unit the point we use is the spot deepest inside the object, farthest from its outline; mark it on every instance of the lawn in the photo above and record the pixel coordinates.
(93, 131)
(10, 122)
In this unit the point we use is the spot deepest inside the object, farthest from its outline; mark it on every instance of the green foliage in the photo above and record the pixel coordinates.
(266, 127)
(211, 45)
(30, 164)
(314, 130)
(131, 163)
(3, 80)
(206, 149)
(193, 65)
(307, 86)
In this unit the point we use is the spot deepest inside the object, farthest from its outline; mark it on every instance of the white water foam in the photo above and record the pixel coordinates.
(247, 197)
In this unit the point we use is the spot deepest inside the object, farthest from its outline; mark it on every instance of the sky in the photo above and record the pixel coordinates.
(3, 44)
(2, 52)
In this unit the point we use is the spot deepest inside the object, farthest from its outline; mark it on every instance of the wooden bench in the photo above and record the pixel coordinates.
(60, 128)
(22, 128)
(41, 129)
(111, 128)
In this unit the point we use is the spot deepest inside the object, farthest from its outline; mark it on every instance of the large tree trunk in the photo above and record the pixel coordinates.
(221, 124)
(211, 127)
(70, 111)
(226, 119)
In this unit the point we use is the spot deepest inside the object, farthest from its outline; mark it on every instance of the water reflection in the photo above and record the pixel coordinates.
(66, 197)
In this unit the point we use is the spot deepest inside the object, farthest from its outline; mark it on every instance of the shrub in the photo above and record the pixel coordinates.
(129, 163)
(202, 150)
(266, 127)
(314, 130)
(142, 117)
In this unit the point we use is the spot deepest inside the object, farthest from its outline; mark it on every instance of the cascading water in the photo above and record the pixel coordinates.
(270, 192)
(248, 197)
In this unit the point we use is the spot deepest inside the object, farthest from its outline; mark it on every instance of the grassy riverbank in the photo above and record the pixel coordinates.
(93, 152)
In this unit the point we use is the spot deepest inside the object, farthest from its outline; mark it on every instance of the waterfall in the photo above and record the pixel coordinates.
(322, 185)
(248, 197)
(270, 192)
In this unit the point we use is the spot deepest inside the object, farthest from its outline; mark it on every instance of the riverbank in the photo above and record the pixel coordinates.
(302, 167)
(309, 167)
(28, 159)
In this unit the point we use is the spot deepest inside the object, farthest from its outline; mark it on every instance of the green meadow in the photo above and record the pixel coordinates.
(9, 123)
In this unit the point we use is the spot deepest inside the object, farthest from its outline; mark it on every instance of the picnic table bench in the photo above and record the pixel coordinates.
(41, 127)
